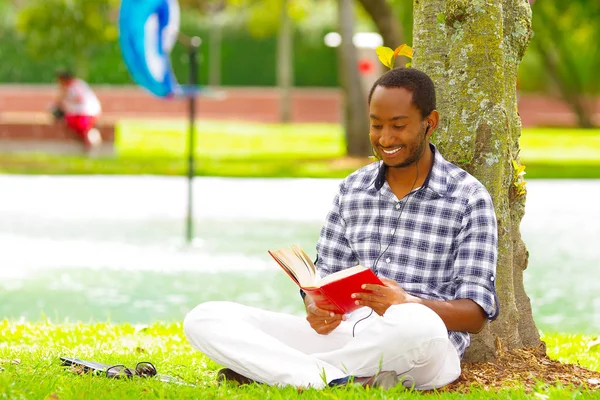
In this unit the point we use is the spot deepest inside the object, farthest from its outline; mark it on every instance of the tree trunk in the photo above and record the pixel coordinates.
(570, 95)
(214, 49)
(285, 72)
(473, 58)
(356, 122)
(558, 60)
(388, 26)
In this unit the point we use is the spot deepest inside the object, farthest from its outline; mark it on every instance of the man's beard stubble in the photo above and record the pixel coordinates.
(415, 155)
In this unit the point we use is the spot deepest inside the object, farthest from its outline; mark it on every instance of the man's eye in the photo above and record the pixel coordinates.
(399, 126)
(376, 126)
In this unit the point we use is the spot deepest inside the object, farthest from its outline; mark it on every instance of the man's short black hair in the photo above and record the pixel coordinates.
(64, 73)
(417, 82)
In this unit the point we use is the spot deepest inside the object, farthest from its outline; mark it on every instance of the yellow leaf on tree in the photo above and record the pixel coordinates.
(386, 56)
(403, 50)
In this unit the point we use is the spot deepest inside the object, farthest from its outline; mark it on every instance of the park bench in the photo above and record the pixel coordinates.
(37, 132)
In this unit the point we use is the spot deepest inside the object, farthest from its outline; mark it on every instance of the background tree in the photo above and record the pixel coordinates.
(355, 119)
(566, 42)
(281, 18)
(6, 12)
(387, 22)
(472, 50)
(67, 29)
(285, 54)
(215, 10)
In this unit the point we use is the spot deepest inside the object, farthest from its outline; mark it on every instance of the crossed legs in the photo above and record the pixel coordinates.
(282, 349)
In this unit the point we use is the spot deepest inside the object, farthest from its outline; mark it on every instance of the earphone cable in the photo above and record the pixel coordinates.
(381, 253)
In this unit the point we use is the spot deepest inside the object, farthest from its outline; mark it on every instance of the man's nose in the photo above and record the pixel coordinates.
(387, 137)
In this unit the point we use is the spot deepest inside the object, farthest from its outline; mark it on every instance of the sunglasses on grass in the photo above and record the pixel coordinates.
(142, 369)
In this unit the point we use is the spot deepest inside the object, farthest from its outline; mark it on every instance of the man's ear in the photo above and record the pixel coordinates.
(432, 121)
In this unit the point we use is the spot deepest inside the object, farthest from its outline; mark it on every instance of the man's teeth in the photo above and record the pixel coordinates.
(392, 151)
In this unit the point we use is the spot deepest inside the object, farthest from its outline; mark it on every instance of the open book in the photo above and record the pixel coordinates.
(331, 292)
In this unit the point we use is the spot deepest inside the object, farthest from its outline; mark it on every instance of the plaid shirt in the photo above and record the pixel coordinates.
(439, 242)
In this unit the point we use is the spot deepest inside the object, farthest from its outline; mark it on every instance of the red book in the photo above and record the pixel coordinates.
(331, 292)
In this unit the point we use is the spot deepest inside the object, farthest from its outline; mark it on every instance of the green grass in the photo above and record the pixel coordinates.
(248, 149)
(561, 153)
(30, 367)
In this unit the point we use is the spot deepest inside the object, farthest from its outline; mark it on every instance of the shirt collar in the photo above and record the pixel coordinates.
(436, 178)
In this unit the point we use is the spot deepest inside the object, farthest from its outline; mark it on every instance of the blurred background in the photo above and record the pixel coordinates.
(100, 236)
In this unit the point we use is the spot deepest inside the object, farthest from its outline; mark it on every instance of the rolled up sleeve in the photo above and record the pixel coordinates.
(475, 264)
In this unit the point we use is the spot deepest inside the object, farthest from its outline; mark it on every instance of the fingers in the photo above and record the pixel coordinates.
(319, 312)
(370, 287)
(368, 297)
(375, 301)
(324, 322)
(328, 326)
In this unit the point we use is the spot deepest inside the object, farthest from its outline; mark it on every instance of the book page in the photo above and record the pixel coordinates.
(341, 274)
(296, 266)
(309, 264)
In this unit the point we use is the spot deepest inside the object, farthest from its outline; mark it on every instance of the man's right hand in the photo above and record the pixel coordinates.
(322, 321)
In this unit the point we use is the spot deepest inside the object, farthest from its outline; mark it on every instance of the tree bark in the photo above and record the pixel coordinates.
(471, 50)
(356, 122)
(388, 26)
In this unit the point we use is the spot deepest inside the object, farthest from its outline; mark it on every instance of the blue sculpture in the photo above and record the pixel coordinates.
(148, 30)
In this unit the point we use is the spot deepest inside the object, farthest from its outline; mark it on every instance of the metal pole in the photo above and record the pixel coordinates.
(194, 45)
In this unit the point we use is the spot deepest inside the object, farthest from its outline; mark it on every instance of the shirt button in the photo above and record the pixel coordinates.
(388, 260)
(492, 279)
(393, 231)
(397, 206)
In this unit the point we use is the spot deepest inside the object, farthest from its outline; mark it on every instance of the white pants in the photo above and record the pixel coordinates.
(282, 349)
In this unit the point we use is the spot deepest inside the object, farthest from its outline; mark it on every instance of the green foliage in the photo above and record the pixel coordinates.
(6, 13)
(569, 31)
(30, 366)
(69, 32)
(261, 23)
(70, 27)
(404, 10)
(246, 61)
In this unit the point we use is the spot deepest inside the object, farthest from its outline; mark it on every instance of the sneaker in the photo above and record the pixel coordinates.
(385, 380)
(230, 375)
(94, 137)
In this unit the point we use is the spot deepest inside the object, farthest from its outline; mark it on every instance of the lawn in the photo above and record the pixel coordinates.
(561, 153)
(30, 367)
(245, 149)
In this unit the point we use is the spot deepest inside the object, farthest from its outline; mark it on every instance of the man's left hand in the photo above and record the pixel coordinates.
(380, 298)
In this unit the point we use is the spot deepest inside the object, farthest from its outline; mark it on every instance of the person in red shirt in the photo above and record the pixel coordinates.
(78, 105)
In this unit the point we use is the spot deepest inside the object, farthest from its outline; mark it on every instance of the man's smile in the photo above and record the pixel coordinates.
(392, 151)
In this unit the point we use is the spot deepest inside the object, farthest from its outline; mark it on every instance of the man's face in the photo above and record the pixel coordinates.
(398, 132)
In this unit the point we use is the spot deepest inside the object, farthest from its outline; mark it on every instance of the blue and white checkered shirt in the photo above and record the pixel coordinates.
(439, 242)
